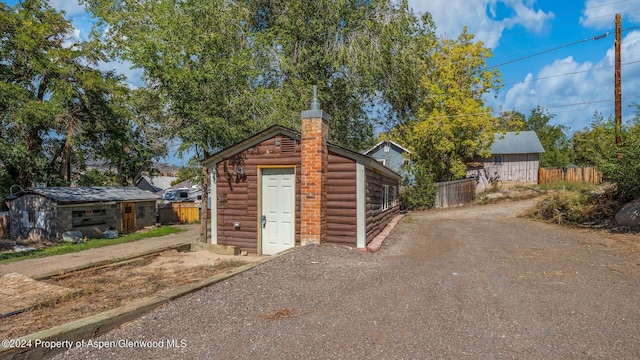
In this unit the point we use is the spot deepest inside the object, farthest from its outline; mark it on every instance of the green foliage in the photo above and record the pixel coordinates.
(568, 186)
(553, 138)
(596, 144)
(58, 112)
(625, 171)
(190, 172)
(421, 193)
(453, 124)
(91, 244)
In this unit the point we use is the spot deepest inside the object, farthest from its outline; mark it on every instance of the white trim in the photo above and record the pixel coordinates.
(361, 207)
(385, 197)
(367, 152)
(213, 190)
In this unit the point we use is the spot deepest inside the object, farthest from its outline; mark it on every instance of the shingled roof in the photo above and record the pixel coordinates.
(68, 195)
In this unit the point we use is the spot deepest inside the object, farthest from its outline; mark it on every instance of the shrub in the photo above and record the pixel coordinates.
(421, 193)
(625, 172)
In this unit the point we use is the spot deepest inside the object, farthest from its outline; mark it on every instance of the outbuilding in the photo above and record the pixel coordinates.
(515, 156)
(46, 213)
(281, 188)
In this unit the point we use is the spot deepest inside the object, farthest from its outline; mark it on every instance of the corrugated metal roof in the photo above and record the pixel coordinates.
(91, 194)
(523, 142)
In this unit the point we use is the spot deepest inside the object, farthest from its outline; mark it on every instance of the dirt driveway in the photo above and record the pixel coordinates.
(474, 282)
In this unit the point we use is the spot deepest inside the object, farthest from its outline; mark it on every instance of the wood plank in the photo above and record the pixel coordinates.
(338, 212)
(347, 197)
(350, 220)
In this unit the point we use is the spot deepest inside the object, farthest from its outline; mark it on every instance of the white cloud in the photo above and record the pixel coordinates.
(73, 38)
(451, 16)
(600, 14)
(133, 75)
(70, 7)
(566, 81)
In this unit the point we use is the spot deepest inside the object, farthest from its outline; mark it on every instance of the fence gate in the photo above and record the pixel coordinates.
(179, 212)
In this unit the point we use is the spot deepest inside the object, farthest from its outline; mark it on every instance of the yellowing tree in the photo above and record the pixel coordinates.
(453, 123)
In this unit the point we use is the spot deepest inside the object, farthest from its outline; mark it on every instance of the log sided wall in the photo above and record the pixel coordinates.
(341, 201)
(237, 194)
(377, 219)
(237, 185)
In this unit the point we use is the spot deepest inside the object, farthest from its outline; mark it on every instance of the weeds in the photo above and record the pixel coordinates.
(576, 207)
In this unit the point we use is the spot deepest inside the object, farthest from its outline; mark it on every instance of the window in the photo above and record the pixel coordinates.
(497, 159)
(394, 196)
(28, 219)
(385, 197)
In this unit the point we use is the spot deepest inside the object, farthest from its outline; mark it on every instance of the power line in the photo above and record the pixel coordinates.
(533, 108)
(594, 38)
(566, 74)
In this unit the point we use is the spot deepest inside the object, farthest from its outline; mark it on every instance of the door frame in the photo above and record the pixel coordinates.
(124, 204)
(259, 202)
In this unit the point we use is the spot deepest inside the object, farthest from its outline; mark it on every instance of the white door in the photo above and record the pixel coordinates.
(278, 216)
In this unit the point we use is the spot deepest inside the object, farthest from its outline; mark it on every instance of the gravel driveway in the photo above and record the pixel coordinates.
(474, 282)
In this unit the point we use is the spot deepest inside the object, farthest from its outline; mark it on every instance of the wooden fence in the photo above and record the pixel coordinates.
(178, 212)
(455, 193)
(4, 225)
(572, 174)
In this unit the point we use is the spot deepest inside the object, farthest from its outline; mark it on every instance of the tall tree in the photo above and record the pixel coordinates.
(347, 48)
(453, 122)
(554, 139)
(595, 145)
(53, 99)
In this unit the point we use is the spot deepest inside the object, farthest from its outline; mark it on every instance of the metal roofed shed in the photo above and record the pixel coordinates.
(46, 213)
(515, 156)
(523, 142)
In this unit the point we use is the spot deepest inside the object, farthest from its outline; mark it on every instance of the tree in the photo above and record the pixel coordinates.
(453, 123)
(595, 145)
(511, 120)
(553, 138)
(54, 101)
(624, 170)
(226, 69)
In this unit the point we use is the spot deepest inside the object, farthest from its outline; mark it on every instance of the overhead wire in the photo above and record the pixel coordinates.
(569, 73)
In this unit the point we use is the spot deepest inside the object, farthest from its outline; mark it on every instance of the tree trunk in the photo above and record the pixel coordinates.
(203, 205)
(65, 161)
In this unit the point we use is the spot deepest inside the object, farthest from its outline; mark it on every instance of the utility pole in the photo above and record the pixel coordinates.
(618, 85)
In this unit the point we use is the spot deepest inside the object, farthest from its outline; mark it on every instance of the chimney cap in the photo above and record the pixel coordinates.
(315, 111)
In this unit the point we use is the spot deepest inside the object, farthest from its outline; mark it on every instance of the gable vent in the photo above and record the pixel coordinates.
(287, 145)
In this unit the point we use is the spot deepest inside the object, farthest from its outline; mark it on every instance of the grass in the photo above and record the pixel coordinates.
(568, 186)
(93, 243)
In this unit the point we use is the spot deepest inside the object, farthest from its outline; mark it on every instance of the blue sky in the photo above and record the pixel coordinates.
(571, 82)
(581, 74)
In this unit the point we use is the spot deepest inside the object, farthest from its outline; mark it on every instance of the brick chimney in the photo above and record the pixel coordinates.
(313, 190)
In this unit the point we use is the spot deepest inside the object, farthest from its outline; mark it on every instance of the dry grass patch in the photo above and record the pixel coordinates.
(108, 288)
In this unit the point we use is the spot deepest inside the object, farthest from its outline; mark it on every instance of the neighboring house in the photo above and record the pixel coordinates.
(155, 183)
(281, 188)
(46, 213)
(515, 156)
(391, 155)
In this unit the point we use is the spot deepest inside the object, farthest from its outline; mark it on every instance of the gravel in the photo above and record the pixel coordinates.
(474, 282)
